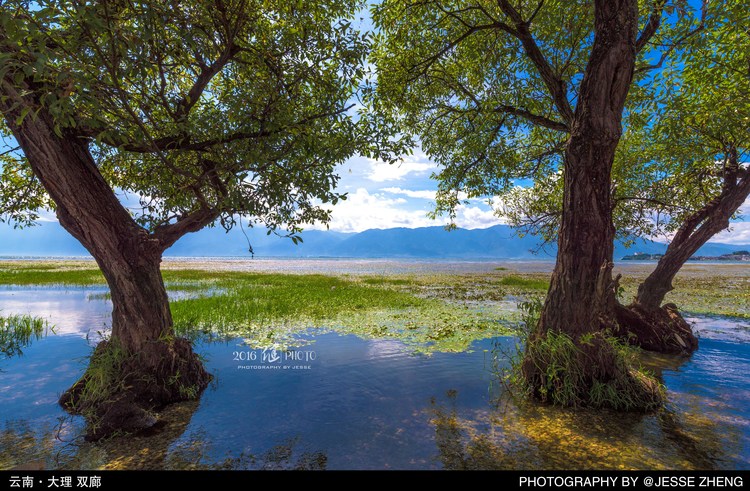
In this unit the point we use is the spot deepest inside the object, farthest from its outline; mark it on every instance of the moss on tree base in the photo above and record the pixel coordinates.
(119, 391)
(662, 330)
(593, 370)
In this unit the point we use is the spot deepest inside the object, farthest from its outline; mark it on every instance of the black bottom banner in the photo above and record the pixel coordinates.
(523, 480)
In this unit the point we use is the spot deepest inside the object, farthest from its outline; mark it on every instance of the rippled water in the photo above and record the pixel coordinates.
(341, 402)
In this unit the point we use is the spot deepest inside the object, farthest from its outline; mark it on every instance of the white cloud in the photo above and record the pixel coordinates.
(421, 194)
(47, 216)
(739, 233)
(416, 166)
(362, 211)
(430, 195)
(475, 217)
(745, 208)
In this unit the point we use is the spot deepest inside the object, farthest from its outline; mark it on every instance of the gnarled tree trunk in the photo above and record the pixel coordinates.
(581, 297)
(142, 366)
(661, 328)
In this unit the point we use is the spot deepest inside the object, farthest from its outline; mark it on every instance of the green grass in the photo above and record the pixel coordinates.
(381, 280)
(595, 370)
(32, 273)
(432, 312)
(530, 283)
(265, 298)
(723, 293)
(272, 309)
(18, 331)
(39, 275)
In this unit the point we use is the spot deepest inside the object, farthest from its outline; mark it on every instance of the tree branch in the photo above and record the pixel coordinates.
(179, 142)
(556, 86)
(675, 44)
(654, 21)
(428, 62)
(166, 235)
(534, 118)
(203, 79)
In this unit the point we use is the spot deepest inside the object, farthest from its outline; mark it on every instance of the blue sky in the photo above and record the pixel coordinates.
(401, 195)
(398, 195)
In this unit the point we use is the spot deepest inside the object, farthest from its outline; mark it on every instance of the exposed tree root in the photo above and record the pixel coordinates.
(662, 330)
(119, 392)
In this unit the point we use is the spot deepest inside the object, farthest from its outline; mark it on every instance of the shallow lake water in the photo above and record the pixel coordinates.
(342, 402)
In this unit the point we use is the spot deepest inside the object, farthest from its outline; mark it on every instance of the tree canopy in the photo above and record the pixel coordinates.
(490, 88)
(680, 141)
(202, 110)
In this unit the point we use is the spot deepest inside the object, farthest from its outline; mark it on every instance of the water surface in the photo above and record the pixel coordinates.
(342, 402)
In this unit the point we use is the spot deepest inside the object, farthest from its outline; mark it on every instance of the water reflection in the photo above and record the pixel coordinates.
(522, 435)
(61, 446)
(365, 404)
(18, 331)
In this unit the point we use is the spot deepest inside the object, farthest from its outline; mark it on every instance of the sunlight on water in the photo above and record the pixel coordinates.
(342, 402)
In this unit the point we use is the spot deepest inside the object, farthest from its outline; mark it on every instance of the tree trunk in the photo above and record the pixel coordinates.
(581, 298)
(580, 290)
(656, 328)
(141, 367)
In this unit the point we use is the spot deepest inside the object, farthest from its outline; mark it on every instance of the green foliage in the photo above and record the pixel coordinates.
(236, 107)
(684, 121)
(18, 331)
(490, 87)
(21, 194)
(566, 369)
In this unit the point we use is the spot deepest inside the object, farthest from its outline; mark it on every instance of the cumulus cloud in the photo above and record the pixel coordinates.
(409, 166)
(738, 233)
(363, 210)
(421, 194)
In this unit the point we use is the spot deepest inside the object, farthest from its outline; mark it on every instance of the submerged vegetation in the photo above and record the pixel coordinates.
(269, 309)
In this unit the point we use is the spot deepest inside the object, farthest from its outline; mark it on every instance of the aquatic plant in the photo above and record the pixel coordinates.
(554, 368)
(18, 331)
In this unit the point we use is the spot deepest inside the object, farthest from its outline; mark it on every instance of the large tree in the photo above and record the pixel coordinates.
(203, 111)
(502, 90)
(678, 173)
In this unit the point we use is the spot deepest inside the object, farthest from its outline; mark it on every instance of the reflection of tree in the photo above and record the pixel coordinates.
(460, 447)
(697, 438)
(27, 446)
(521, 435)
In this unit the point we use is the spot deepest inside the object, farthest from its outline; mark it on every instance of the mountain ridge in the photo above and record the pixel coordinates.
(497, 242)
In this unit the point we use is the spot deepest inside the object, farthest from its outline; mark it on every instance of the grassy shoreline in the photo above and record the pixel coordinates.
(702, 289)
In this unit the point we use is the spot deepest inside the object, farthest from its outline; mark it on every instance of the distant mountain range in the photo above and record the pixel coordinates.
(498, 242)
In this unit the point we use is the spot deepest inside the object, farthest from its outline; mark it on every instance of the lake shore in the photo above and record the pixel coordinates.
(388, 266)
